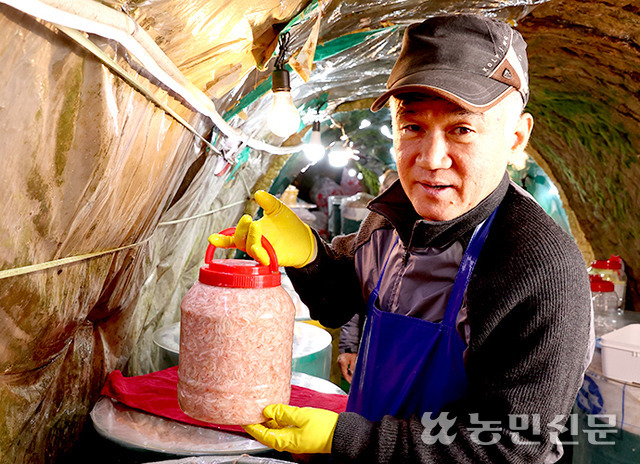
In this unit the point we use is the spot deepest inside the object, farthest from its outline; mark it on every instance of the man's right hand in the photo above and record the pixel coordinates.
(291, 239)
(347, 363)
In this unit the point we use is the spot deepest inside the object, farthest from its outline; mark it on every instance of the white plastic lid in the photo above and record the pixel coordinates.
(626, 338)
(307, 339)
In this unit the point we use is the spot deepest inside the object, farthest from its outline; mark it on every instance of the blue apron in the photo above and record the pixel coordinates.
(407, 365)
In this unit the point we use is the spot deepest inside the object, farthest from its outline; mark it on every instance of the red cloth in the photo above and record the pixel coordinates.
(156, 393)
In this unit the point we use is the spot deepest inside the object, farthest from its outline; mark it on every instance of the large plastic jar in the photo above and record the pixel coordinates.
(236, 339)
(612, 270)
(605, 306)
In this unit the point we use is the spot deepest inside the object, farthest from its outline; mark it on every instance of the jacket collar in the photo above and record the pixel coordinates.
(416, 232)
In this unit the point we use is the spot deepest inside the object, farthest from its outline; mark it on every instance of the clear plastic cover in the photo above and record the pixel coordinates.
(135, 429)
(243, 459)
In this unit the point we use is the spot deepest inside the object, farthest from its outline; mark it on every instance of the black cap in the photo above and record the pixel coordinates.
(469, 59)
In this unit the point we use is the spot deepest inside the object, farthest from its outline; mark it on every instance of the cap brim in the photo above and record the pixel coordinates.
(472, 92)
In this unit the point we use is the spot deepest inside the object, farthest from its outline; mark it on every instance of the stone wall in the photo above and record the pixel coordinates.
(585, 86)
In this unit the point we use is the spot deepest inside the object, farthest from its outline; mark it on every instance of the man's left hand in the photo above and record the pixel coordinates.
(296, 430)
(347, 363)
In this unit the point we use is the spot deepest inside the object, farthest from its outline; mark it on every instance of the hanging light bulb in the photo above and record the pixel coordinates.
(339, 156)
(314, 149)
(283, 119)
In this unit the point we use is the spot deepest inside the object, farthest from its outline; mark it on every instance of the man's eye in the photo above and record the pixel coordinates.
(462, 130)
(411, 128)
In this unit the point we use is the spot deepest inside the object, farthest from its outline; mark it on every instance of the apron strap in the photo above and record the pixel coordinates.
(373, 296)
(465, 270)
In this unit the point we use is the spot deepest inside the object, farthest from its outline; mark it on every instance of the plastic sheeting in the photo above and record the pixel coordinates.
(359, 42)
(79, 176)
(89, 164)
(213, 43)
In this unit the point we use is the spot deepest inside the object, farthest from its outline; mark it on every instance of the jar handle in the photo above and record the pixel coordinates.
(273, 259)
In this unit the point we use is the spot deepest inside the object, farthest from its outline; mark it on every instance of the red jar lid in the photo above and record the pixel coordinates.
(240, 273)
(602, 286)
(615, 261)
(612, 263)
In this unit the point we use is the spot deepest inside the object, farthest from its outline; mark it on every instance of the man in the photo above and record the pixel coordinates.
(477, 304)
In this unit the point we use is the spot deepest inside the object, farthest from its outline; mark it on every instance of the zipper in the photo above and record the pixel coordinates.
(405, 256)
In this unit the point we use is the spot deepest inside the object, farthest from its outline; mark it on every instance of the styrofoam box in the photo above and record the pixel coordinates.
(621, 354)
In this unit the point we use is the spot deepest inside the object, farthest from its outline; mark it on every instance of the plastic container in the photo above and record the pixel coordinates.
(334, 219)
(612, 270)
(311, 348)
(236, 337)
(602, 396)
(353, 210)
(290, 196)
(621, 354)
(605, 306)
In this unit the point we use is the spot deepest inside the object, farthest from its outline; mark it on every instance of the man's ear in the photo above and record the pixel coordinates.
(522, 133)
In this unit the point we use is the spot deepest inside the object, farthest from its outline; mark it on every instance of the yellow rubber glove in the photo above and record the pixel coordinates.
(296, 430)
(292, 239)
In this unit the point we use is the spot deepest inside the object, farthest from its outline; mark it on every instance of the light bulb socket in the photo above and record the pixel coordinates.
(280, 80)
(315, 126)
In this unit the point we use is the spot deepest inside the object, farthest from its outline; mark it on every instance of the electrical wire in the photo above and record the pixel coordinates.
(284, 40)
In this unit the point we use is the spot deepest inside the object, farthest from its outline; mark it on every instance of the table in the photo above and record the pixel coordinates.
(138, 430)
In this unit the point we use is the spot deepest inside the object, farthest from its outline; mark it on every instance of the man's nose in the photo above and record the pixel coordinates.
(434, 152)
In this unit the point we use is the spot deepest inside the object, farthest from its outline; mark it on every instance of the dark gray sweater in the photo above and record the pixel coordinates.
(528, 306)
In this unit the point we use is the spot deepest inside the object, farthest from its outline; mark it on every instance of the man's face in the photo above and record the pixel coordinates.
(450, 159)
